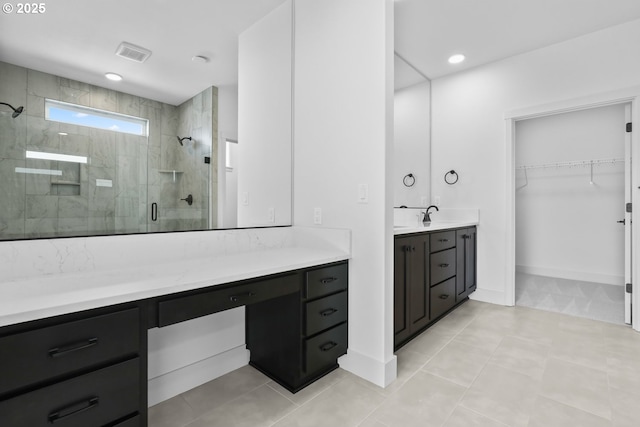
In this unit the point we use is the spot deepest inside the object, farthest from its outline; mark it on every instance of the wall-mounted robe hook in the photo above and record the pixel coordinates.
(409, 180)
(453, 179)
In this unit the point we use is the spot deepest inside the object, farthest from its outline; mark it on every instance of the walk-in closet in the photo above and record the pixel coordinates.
(572, 225)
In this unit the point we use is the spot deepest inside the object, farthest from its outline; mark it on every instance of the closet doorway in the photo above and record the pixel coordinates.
(572, 221)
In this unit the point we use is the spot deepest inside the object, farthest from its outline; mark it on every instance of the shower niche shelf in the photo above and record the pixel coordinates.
(175, 173)
(65, 188)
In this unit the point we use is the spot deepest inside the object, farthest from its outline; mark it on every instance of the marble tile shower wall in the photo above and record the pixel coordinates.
(73, 204)
(194, 118)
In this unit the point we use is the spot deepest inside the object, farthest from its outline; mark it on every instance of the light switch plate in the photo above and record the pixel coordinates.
(317, 216)
(436, 201)
(271, 214)
(363, 193)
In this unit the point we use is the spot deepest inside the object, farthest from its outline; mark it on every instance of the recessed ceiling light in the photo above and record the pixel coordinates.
(199, 59)
(113, 76)
(456, 59)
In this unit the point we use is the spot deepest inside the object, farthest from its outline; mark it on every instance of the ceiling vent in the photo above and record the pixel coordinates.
(133, 52)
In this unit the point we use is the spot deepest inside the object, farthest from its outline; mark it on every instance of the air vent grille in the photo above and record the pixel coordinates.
(133, 52)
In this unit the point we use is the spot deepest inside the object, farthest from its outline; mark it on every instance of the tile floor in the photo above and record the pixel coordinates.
(591, 300)
(482, 365)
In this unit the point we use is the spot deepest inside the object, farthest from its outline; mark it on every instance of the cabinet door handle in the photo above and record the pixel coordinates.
(443, 240)
(63, 351)
(444, 296)
(154, 211)
(443, 265)
(328, 346)
(236, 298)
(73, 409)
(328, 280)
(328, 312)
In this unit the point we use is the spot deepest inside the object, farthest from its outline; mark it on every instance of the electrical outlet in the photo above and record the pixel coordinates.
(436, 201)
(245, 198)
(317, 216)
(271, 214)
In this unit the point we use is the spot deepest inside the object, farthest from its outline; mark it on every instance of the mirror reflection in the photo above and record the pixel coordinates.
(412, 136)
(80, 159)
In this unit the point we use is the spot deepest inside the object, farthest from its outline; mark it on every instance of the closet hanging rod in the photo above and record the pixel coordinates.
(594, 162)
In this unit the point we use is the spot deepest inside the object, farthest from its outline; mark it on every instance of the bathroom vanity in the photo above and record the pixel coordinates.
(74, 351)
(434, 271)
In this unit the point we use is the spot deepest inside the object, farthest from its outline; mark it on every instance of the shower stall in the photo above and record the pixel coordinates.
(79, 160)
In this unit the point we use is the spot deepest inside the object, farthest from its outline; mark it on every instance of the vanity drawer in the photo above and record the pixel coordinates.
(326, 280)
(37, 355)
(322, 351)
(442, 240)
(93, 399)
(443, 265)
(179, 309)
(442, 297)
(325, 313)
(131, 422)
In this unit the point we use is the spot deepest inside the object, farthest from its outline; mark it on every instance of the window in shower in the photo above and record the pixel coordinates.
(65, 112)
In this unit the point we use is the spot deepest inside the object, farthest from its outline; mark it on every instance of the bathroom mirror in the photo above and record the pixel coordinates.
(71, 165)
(412, 135)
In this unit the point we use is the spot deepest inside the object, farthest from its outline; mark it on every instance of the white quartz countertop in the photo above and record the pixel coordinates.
(433, 226)
(38, 297)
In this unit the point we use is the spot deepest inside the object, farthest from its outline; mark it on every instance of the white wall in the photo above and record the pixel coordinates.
(264, 120)
(565, 226)
(468, 126)
(343, 138)
(228, 128)
(412, 145)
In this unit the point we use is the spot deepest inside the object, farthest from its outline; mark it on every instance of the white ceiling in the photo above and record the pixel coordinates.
(77, 39)
(427, 32)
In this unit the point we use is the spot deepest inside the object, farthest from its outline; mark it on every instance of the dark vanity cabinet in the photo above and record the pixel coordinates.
(433, 271)
(465, 262)
(411, 285)
(86, 369)
(89, 369)
(298, 338)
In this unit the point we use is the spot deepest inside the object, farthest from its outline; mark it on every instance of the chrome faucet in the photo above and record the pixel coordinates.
(427, 217)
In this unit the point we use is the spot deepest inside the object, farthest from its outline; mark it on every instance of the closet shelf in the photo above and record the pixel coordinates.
(571, 164)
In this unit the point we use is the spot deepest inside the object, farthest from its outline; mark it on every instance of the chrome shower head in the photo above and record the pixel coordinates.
(16, 111)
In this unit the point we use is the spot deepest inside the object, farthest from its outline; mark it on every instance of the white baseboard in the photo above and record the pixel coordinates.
(608, 279)
(492, 297)
(173, 383)
(379, 373)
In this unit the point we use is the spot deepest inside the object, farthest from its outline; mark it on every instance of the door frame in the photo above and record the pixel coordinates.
(624, 96)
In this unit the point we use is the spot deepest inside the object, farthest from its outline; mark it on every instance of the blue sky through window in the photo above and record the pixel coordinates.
(99, 119)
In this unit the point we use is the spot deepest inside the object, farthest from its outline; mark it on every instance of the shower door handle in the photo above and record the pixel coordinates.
(154, 211)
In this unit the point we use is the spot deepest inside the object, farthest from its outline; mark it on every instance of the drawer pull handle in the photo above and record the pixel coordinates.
(63, 351)
(328, 346)
(236, 298)
(73, 409)
(443, 240)
(443, 265)
(328, 280)
(444, 296)
(328, 312)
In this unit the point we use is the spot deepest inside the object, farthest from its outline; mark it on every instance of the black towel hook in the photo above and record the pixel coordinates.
(409, 180)
(453, 180)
